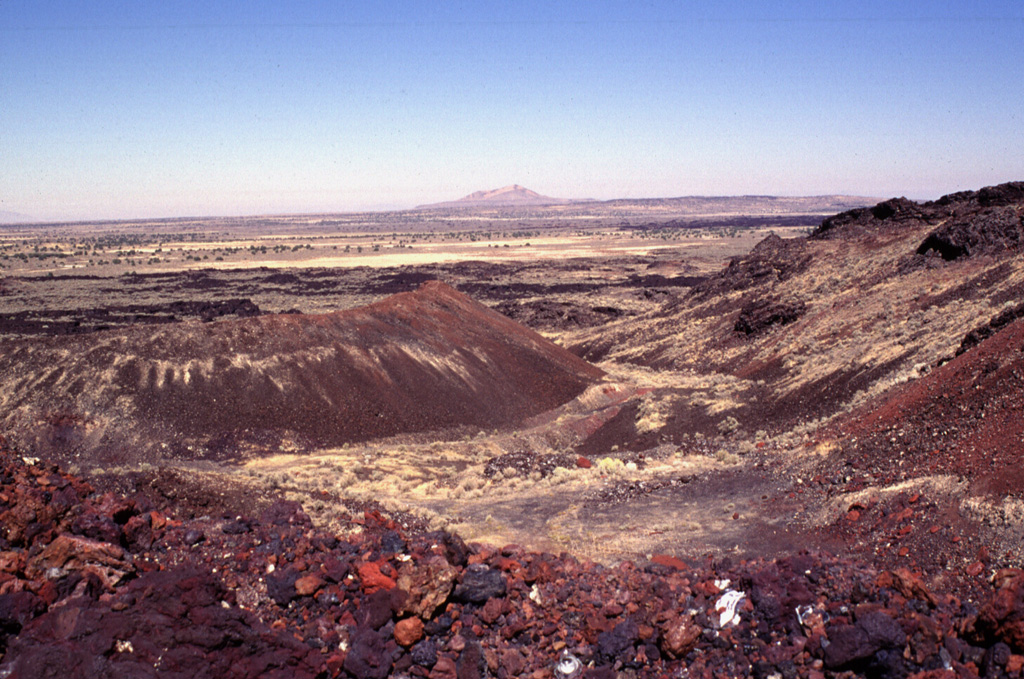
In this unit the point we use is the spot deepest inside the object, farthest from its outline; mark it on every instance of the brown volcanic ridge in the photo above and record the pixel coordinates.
(427, 360)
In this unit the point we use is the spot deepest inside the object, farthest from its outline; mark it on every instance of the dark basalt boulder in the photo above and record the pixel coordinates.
(982, 333)
(369, 657)
(772, 260)
(850, 645)
(861, 221)
(618, 640)
(759, 315)
(963, 208)
(16, 610)
(991, 231)
(169, 623)
(1010, 193)
(480, 583)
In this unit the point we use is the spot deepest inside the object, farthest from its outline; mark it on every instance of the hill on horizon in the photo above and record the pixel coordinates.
(8, 217)
(513, 194)
(516, 195)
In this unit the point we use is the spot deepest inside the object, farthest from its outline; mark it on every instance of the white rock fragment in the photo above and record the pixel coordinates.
(568, 666)
(727, 604)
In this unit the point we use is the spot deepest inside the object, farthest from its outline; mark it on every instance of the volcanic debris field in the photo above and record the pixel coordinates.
(797, 460)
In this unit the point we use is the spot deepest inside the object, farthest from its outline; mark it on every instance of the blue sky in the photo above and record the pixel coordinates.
(133, 109)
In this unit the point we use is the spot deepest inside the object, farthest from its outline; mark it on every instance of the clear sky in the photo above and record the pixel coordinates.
(173, 108)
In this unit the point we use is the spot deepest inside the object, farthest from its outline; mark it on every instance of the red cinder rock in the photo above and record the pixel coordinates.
(408, 631)
(372, 579)
(444, 668)
(1002, 617)
(73, 553)
(907, 584)
(583, 463)
(670, 561)
(308, 585)
(428, 584)
(512, 662)
(491, 611)
(11, 562)
(138, 532)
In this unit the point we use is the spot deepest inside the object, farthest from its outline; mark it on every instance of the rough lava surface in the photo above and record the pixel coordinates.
(100, 585)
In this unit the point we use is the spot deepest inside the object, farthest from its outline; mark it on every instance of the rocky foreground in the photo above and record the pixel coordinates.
(100, 585)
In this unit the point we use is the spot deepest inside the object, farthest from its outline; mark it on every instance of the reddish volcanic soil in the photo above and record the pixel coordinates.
(963, 418)
(422, 361)
(950, 446)
(101, 585)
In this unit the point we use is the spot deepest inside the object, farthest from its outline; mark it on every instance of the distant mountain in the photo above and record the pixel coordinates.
(520, 196)
(14, 217)
(512, 195)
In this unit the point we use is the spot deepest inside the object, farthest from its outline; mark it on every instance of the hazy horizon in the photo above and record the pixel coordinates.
(119, 110)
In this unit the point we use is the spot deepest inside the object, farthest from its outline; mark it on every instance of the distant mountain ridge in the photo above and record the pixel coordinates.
(513, 194)
(7, 217)
(516, 195)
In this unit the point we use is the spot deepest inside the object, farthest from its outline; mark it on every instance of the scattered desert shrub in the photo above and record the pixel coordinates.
(344, 481)
(746, 447)
(727, 426)
(725, 457)
(652, 414)
(560, 475)
(610, 465)
(472, 482)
